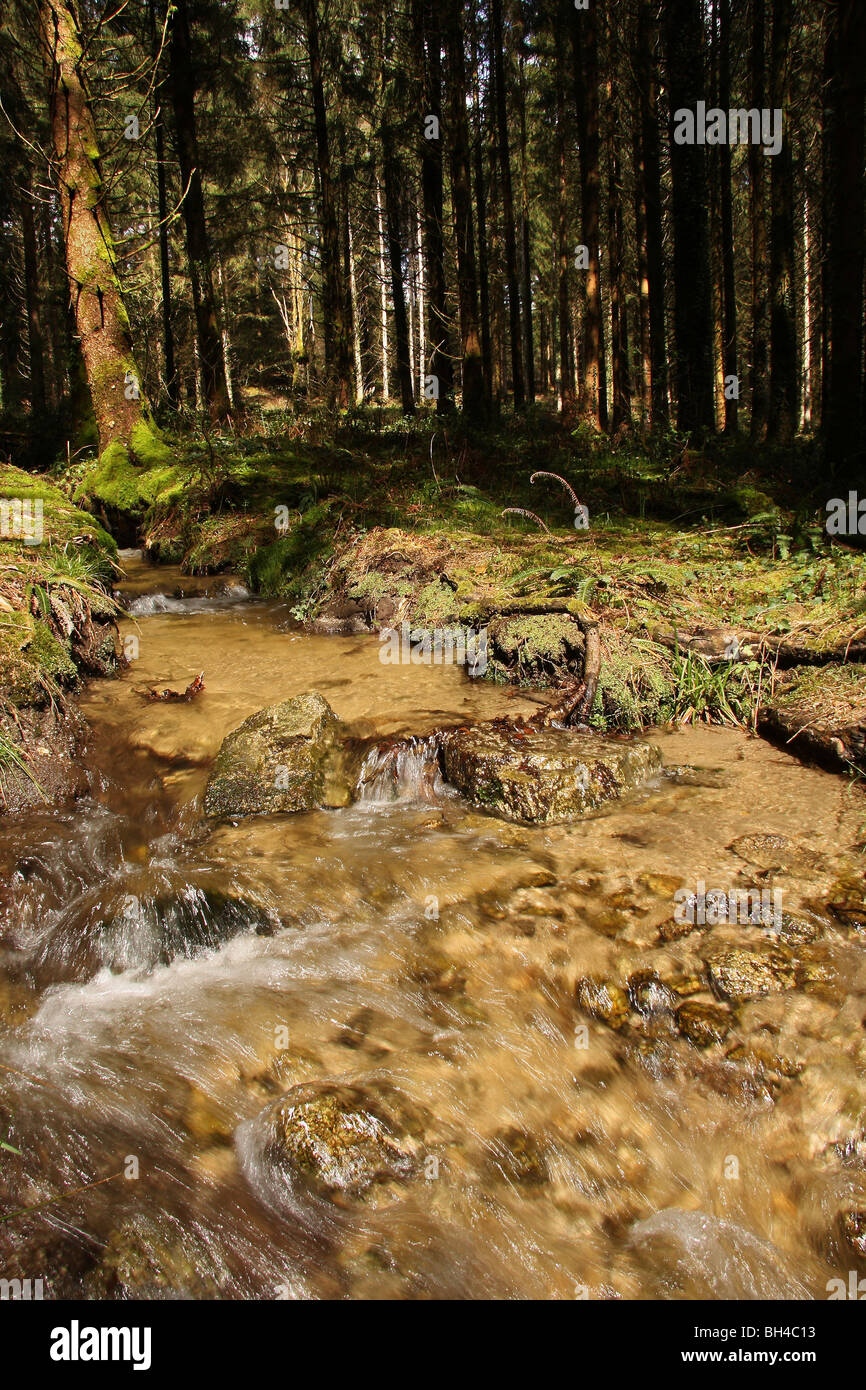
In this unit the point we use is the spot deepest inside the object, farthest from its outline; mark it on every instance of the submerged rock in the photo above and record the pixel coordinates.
(739, 974)
(703, 1024)
(519, 1157)
(543, 775)
(285, 758)
(141, 931)
(337, 1138)
(604, 1001)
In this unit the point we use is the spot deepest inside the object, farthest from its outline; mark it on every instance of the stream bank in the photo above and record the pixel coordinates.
(570, 1077)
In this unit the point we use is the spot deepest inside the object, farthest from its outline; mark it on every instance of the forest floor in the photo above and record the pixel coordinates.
(717, 593)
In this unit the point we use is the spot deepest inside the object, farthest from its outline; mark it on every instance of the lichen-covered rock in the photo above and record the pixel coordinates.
(543, 775)
(739, 974)
(287, 757)
(603, 1000)
(703, 1024)
(336, 1138)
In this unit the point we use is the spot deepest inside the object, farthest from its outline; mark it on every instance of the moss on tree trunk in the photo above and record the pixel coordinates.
(123, 418)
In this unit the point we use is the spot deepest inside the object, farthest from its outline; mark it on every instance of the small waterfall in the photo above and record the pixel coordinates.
(147, 604)
(405, 769)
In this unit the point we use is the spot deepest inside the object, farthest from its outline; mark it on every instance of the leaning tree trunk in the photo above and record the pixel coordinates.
(119, 405)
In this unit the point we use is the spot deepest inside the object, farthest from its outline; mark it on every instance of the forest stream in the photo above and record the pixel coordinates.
(424, 960)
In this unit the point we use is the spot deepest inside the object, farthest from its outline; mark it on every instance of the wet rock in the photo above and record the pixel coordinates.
(649, 995)
(139, 931)
(685, 983)
(853, 1231)
(148, 1258)
(764, 1059)
(765, 851)
(543, 775)
(847, 901)
(674, 930)
(342, 617)
(661, 885)
(287, 757)
(337, 1138)
(602, 1000)
(798, 931)
(519, 1157)
(703, 1024)
(740, 974)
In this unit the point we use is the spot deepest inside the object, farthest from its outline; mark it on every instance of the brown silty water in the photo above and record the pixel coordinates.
(561, 1138)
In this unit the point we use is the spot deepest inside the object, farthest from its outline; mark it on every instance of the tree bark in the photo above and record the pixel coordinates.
(760, 395)
(208, 335)
(784, 348)
(584, 38)
(845, 214)
(429, 63)
(513, 283)
(36, 338)
(729, 292)
(119, 404)
(338, 359)
(693, 297)
(461, 196)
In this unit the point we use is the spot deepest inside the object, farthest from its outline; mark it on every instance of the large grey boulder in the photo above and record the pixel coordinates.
(287, 757)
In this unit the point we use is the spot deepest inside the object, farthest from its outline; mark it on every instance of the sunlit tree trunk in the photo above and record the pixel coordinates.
(119, 404)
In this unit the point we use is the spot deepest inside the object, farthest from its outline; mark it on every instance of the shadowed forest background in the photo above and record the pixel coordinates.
(219, 211)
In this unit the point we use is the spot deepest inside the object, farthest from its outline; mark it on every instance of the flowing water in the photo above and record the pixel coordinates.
(163, 983)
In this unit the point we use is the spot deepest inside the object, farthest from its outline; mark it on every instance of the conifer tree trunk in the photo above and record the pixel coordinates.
(729, 292)
(429, 62)
(649, 182)
(692, 285)
(119, 404)
(208, 334)
(584, 38)
(784, 348)
(461, 195)
(845, 213)
(338, 359)
(498, 63)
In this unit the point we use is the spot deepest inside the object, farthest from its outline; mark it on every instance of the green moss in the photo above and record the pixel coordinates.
(148, 448)
(636, 687)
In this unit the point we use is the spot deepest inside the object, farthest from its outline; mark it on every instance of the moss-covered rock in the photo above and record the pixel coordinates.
(286, 758)
(543, 775)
